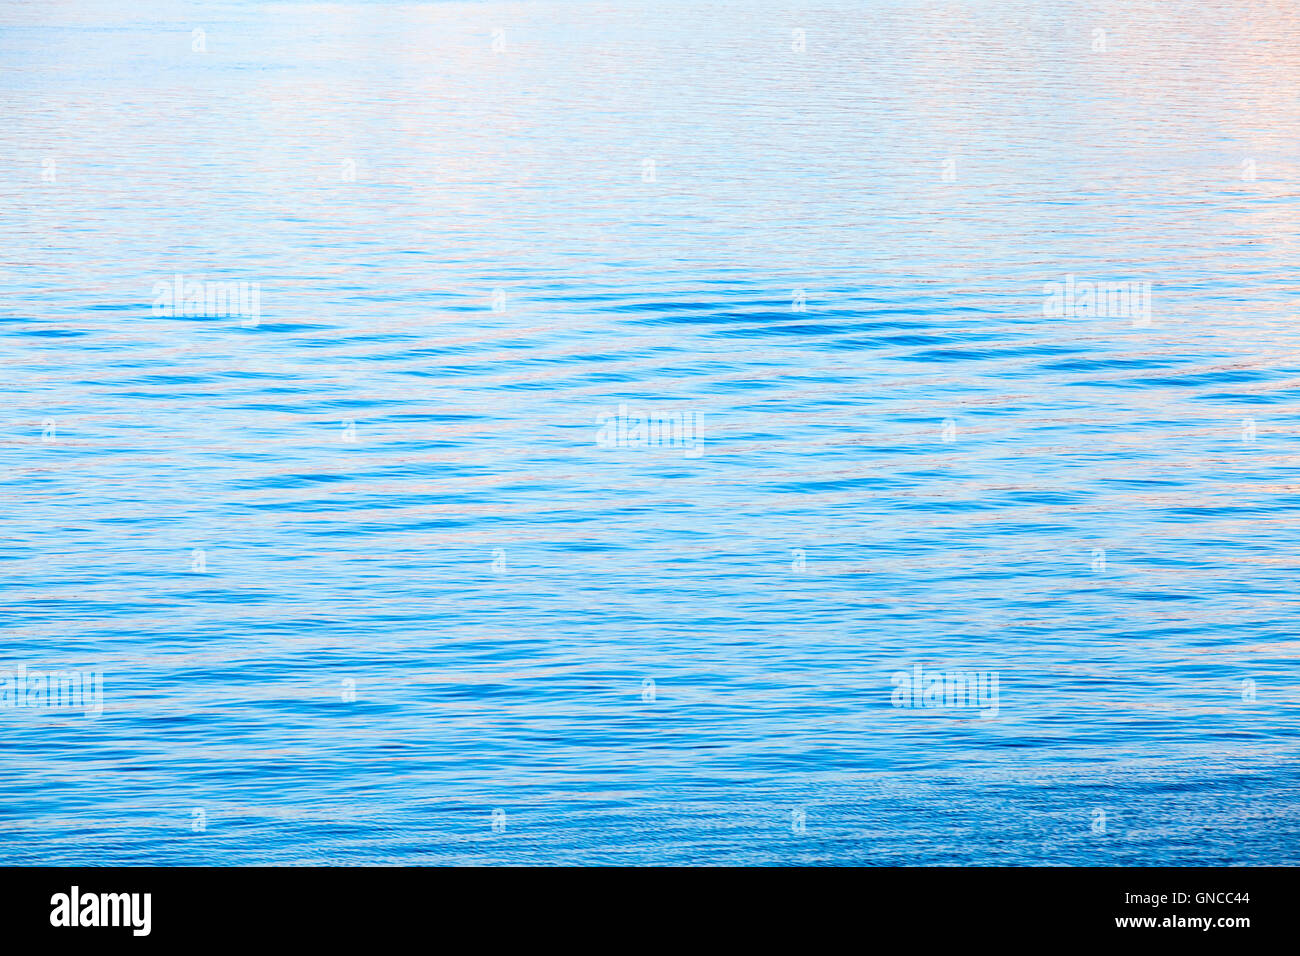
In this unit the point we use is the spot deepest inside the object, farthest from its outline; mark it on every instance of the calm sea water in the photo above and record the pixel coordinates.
(364, 586)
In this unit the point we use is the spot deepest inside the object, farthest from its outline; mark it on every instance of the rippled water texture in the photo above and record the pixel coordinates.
(475, 228)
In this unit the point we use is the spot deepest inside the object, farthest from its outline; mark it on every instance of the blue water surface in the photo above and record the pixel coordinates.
(364, 586)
